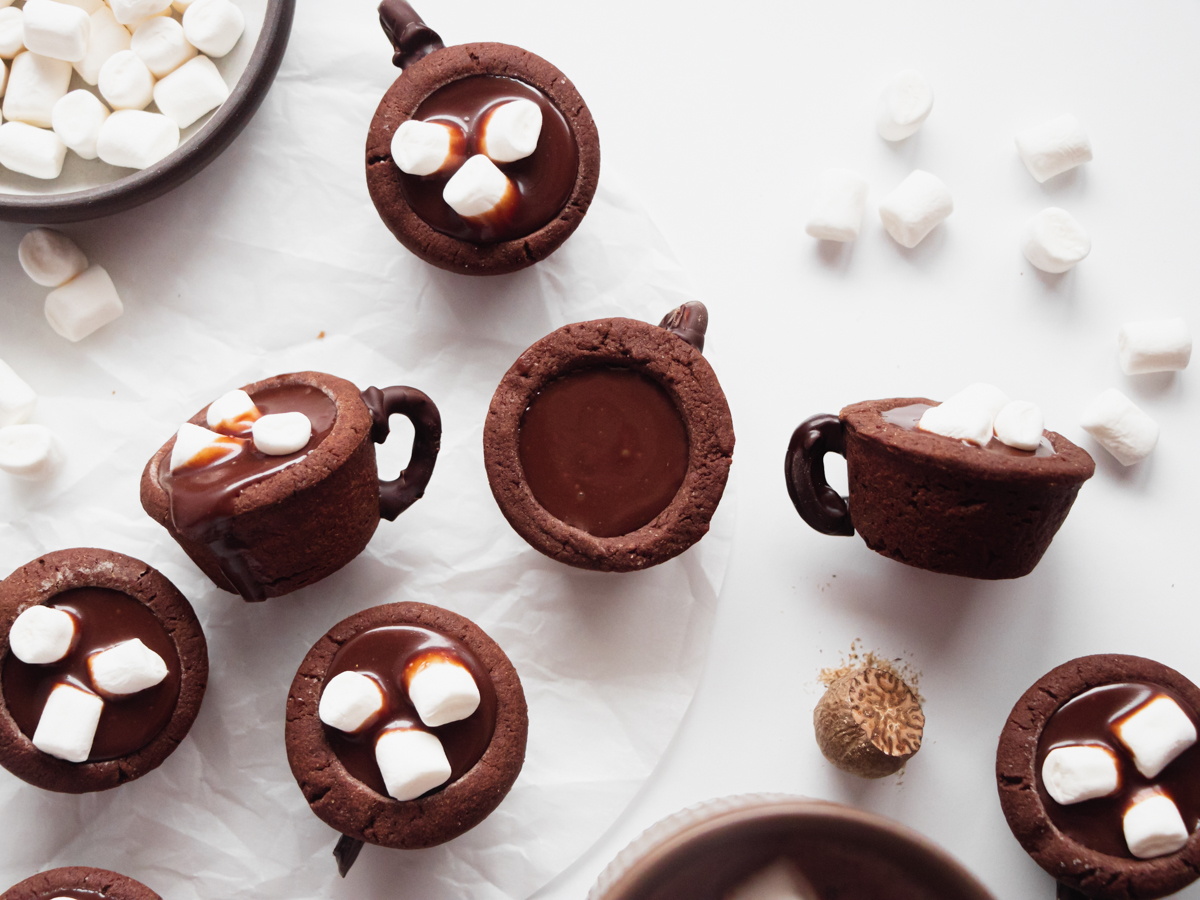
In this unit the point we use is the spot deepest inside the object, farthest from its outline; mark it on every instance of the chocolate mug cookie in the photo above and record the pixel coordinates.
(79, 883)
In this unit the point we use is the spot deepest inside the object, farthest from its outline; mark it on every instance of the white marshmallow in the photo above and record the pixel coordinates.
(918, 204)
(126, 82)
(189, 92)
(109, 37)
(1155, 734)
(29, 451)
(17, 399)
(442, 691)
(1153, 827)
(136, 139)
(477, 188)
(837, 207)
(35, 84)
(196, 447)
(83, 305)
(1159, 345)
(42, 635)
(130, 12)
(969, 415)
(213, 26)
(181, 6)
(1054, 147)
(88, 6)
(12, 32)
(1054, 241)
(904, 106)
(1120, 427)
(232, 413)
(1020, 424)
(36, 152)
(410, 761)
(1083, 772)
(781, 880)
(511, 131)
(350, 700)
(50, 258)
(422, 148)
(282, 433)
(159, 41)
(68, 723)
(77, 119)
(126, 669)
(57, 30)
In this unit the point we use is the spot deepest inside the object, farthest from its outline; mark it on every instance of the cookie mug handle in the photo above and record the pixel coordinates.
(412, 39)
(804, 468)
(399, 494)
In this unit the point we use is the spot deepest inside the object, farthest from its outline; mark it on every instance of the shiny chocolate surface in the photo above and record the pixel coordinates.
(909, 417)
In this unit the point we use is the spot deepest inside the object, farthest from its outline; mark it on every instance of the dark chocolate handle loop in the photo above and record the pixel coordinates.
(411, 38)
(398, 495)
(804, 468)
(689, 321)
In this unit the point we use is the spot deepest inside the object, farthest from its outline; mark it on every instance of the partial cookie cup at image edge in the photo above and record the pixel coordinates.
(83, 879)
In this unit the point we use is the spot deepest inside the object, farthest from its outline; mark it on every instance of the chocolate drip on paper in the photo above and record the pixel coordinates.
(689, 321)
(411, 38)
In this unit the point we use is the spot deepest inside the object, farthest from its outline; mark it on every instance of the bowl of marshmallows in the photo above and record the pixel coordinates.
(106, 104)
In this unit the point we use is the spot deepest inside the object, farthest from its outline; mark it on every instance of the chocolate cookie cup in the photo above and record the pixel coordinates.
(82, 882)
(112, 598)
(361, 812)
(264, 526)
(930, 501)
(655, 406)
(554, 186)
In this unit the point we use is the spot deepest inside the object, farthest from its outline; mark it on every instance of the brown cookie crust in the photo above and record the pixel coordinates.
(305, 522)
(50, 575)
(110, 885)
(1097, 875)
(687, 378)
(400, 104)
(356, 810)
(941, 505)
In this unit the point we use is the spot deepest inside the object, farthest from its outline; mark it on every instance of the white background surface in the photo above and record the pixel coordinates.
(719, 116)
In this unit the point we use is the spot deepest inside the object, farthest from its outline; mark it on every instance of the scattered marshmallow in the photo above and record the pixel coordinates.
(84, 304)
(189, 92)
(1054, 147)
(918, 204)
(50, 258)
(1020, 424)
(88, 6)
(1054, 241)
(126, 82)
(29, 451)
(779, 881)
(36, 152)
(1083, 772)
(109, 37)
(350, 700)
(904, 106)
(232, 413)
(477, 189)
(213, 26)
(160, 43)
(17, 399)
(838, 204)
(1120, 427)
(969, 415)
(1159, 345)
(411, 762)
(77, 120)
(12, 32)
(196, 447)
(1155, 734)
(136, 139)
(42, 635)
(57, 30)
(423, 148)
(441, 690)
(35, 84)
(1153, 827)
(68, 723)
(281, 433)
(126, 669)
(511, 131)
(130, 12)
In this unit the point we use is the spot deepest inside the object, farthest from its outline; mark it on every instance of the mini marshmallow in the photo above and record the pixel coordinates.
(129, 12)
(160, 43)
(350, 700)
(83, 305)
(1020, 424)
(1054, 147)
(838, 203)
(781, 880)
(232, 413)
(29, 451)
(213, 26)
(50, 258)
(136, 139)
(1083, 772)
(36, 152)
(196, 447)
(511, 131)
(1155, 734)
(410, 761)
(68, 723)
(77, 120)
(109, 37)
(422, 148)
(1054, 241)
(12, 32)
(917, 205)
(967, 416)
(282, 433)
(1120, 427)
(126, 82)
(17, 399)
(1159, 345)
(477, 188)
(441, 690)
(88, 6)
(35, 84)
(904, 106)
(1153, 827)
(189, 92)
(181, 6)
(126, 669)
(57, 30)
(42, 635)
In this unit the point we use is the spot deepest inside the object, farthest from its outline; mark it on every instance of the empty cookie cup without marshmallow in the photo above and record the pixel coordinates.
(82, 882)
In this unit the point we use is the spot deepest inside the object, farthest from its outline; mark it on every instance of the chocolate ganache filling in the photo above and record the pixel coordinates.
(383, 654)
(1089, 719)
(909, 418)
(72, 894)
(103, 619)
(543, 180)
